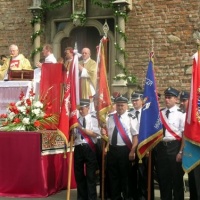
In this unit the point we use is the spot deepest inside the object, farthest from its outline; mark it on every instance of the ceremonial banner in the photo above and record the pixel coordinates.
(191, 153)
(52, 142)
(50, 87)
(68, 116)
(151, 130)
(103, 98)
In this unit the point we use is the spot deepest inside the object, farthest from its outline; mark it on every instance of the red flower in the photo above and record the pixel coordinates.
(31, 92)
(37, 123)
(17, 120)
(28, 111)
(28, 101)
(11, 104)
(3, 116)
(21, 96)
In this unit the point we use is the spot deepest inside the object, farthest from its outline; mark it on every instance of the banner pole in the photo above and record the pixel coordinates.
(149, 176)
(69, 169)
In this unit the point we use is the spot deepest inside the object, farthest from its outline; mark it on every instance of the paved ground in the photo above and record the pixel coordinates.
(62, 195)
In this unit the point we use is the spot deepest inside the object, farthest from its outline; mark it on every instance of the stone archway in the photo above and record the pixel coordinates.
(90, 24)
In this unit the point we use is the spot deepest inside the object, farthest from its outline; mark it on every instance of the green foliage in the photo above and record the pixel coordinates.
(76, 18)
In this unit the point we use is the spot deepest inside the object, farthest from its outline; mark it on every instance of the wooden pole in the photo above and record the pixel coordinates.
(69, 169)
(149, 177)
(103, 170)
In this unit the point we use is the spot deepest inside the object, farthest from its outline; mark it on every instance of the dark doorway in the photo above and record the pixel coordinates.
(84, 37)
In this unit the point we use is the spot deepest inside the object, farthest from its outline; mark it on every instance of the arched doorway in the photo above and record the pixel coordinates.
(87, 36)
(83, 37)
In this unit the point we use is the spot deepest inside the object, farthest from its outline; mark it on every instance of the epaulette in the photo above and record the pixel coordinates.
(131, 109)
(109, 115)
(131, 115)
(93, 116)
(180, 110)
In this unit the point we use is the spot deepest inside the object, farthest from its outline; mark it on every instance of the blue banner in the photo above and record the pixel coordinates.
(151, 131)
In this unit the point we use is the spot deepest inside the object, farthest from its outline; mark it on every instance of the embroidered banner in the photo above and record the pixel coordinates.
(52, 142)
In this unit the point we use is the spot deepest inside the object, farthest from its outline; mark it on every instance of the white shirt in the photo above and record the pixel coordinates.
(91, 124)
(129, 124)
(176, 121)
(50, 59)
(139, 117)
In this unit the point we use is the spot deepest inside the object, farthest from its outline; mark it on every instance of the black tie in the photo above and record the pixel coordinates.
(114, 136)
(84, 125)
(167, 115)
(137, 114)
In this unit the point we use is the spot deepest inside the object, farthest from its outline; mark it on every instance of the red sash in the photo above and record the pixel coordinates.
(169, 129)
(121, 131)
(87, 139)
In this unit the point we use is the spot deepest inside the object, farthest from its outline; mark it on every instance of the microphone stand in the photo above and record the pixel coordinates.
(8, 71)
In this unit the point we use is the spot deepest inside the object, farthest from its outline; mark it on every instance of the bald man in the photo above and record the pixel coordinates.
(88, 75)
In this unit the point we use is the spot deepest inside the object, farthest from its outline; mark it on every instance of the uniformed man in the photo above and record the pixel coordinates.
(184, 100)
(169, 150)
(139, 187)
(122, 134)
(106, 180)
(85, 162)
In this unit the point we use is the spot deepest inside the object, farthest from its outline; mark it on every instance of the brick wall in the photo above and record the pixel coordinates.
(171, 25)
(15, 27)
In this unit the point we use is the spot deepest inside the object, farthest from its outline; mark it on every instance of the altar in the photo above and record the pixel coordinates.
(26, 171)
(10, 91)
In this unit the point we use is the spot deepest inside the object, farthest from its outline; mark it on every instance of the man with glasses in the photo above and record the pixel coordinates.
(88, 75)
(15, 62)
(169, 150)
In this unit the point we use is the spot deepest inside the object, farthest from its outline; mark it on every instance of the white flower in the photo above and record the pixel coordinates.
(26, 120)
(22, 109)
(36, 111)
(38, 104)
(11, 115)
(18, 103)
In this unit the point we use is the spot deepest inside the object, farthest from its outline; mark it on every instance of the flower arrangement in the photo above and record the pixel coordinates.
(28, 114)
(130, 79)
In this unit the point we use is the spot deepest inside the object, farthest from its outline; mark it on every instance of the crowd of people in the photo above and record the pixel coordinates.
(125, 177)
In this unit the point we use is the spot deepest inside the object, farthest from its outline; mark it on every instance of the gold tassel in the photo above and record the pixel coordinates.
(140, 161)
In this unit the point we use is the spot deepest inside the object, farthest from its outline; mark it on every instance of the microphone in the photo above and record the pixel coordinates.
(8, 71)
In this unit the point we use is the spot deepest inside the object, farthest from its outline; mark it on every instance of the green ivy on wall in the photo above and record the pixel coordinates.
(46, 6)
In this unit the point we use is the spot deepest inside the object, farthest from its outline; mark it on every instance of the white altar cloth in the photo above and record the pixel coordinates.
(10, 92)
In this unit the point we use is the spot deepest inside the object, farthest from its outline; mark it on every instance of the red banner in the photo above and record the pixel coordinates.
(50, 87)
(103, 98)
(68, 116)
(192, 125)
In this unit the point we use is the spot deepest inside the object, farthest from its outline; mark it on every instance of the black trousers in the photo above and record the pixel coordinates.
(118, 163)
(197, 180)
(170, 172)
(85, 165)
